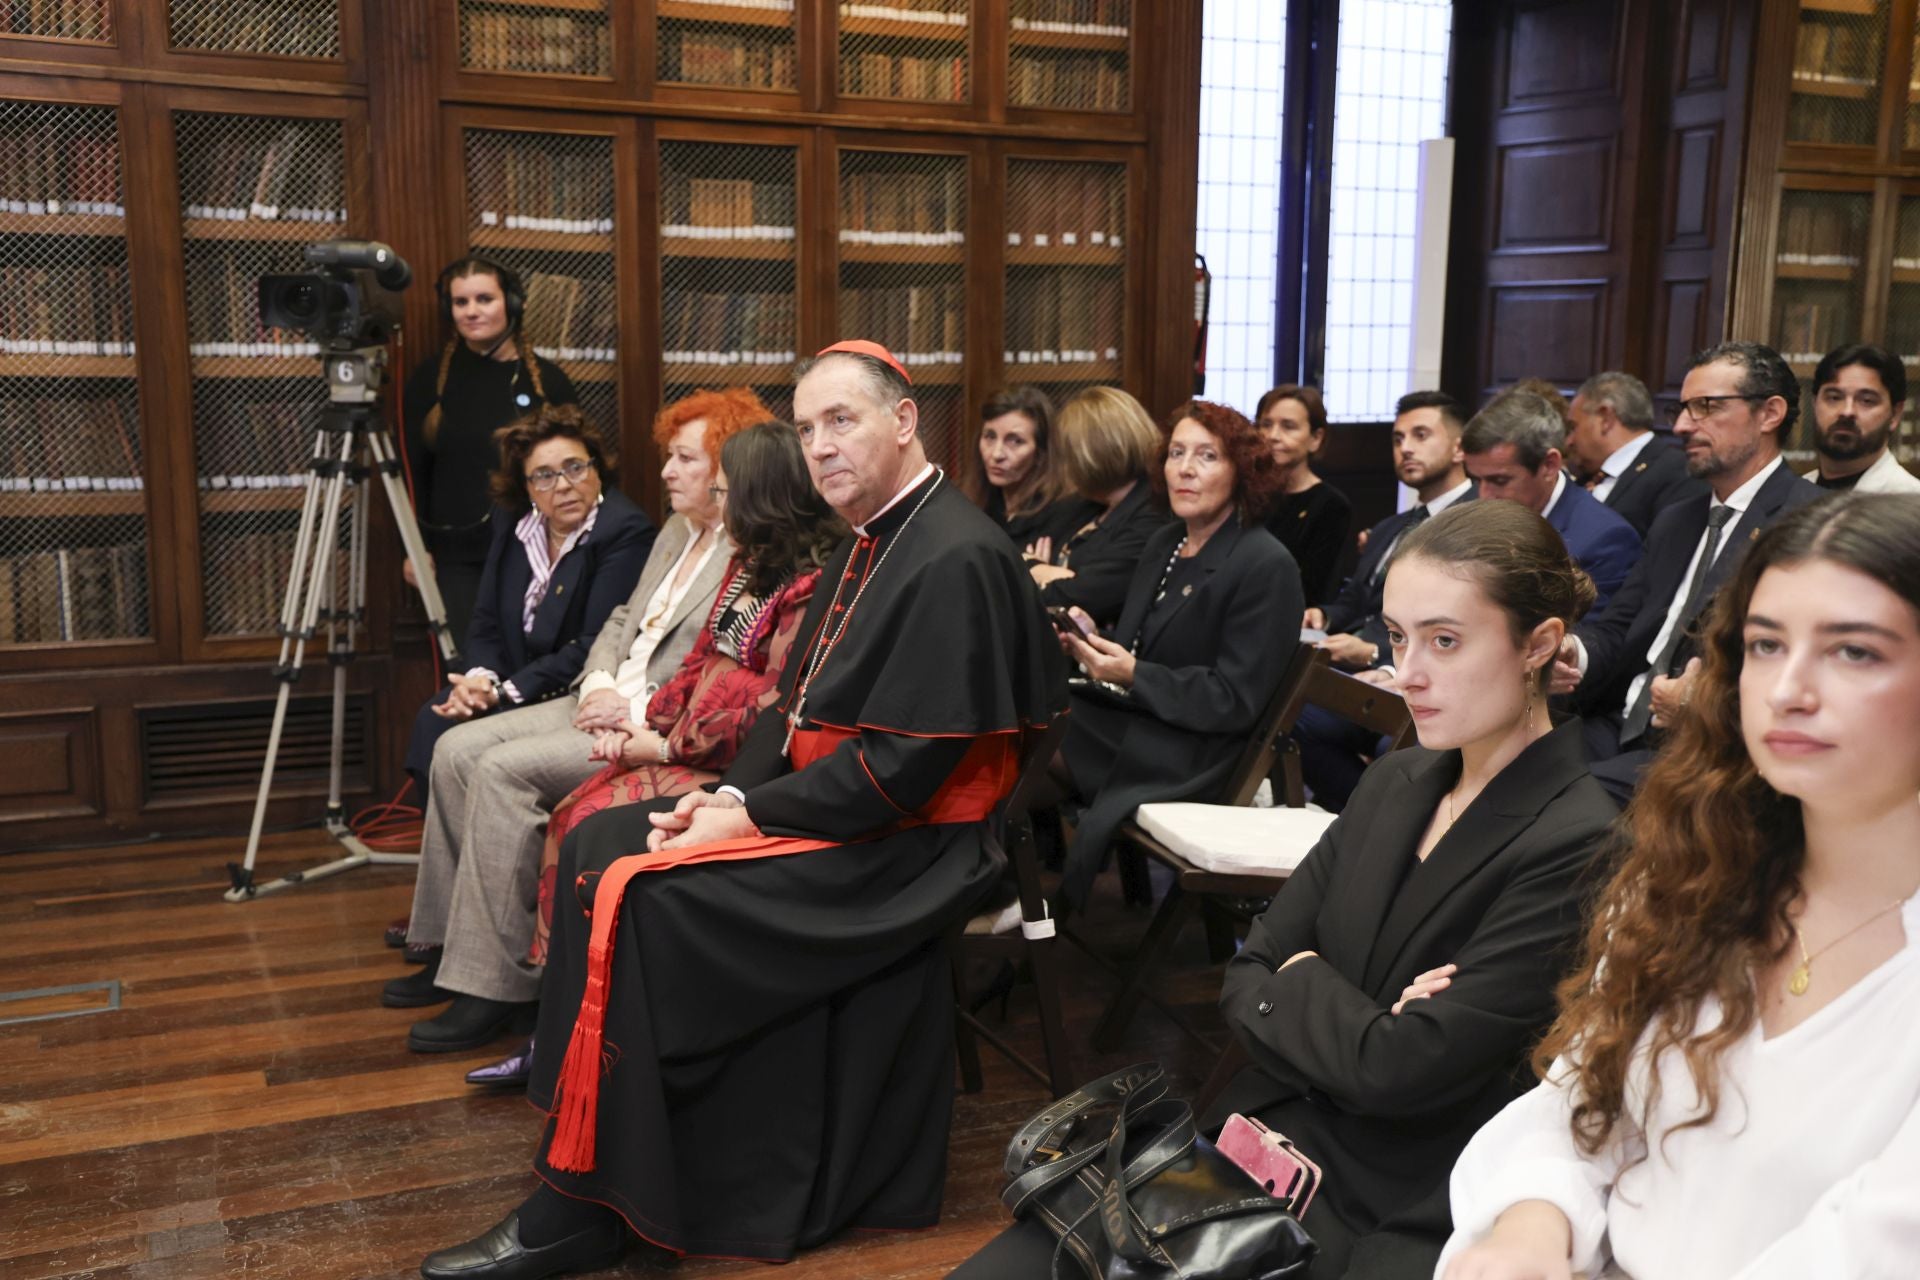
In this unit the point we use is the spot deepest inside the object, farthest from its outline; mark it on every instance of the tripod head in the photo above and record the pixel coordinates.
(355, 374)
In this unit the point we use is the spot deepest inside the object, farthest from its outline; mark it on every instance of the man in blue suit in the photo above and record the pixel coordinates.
(1514, 450)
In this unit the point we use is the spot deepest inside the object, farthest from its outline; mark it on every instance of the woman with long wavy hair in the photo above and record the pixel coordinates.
(1731, 1086)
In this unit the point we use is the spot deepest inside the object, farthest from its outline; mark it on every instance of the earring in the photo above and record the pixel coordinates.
(1532, 686)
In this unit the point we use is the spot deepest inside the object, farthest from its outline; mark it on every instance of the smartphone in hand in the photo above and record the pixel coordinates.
(1066, 621)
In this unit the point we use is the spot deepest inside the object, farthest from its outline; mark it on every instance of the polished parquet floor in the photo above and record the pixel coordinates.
(251, 1110)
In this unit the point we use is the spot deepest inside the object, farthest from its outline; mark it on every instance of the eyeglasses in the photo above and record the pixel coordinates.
(574, 469)
(1700, 408)
(715, 492)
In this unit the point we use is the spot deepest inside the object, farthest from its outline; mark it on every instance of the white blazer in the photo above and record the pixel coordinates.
(1886, 475)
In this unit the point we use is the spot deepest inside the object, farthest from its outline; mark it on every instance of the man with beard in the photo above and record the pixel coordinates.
(1428, 460)
(1630, 666)
(1615, 452)
(1859, 394)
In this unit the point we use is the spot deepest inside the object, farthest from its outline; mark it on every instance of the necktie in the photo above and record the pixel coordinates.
(1415, 518)
(1641, 714)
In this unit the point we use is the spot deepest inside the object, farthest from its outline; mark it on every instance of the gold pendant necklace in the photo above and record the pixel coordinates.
(1802, 976)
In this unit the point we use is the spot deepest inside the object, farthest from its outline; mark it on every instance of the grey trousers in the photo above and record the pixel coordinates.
(494, 782)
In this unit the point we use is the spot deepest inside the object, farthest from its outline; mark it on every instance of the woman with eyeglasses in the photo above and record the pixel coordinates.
(566, 549)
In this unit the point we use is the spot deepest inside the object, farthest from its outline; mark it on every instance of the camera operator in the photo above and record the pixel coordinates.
(485, 377)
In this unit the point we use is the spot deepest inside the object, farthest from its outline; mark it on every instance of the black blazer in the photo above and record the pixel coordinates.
(1657, 479)
(1103, 559)
(1618, 637)
(1386, 1102)
(1208, 664)
(1356, 610)
(1313, 526)
(593, 578)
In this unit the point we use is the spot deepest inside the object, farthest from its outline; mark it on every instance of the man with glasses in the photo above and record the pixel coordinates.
(1629, 667)
(1614, 450)
(1859, 394)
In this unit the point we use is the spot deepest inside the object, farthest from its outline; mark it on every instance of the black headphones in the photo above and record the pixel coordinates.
(514, 293)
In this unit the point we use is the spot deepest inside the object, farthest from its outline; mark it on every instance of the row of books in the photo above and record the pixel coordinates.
(93, 439)
(748, 231)
(922, 324)
(573, 319)
(934, 13)
(223, 310)
(529, 187)
(1066, 205)
(1064, 315)
(246, 578)
(735, 61)
(295, 175)
(76, 593)
(236, 439)
(1039, 14)
(544, 44)
(1836, 52)
(72, 484)
(47, 171)
(69, 19)
(687, 201)
(1084, 81)
(904, 208)
(65, 309)
(1820, 232)
(309, 30)
(1839, 121)
(1906, 237)
(1806, 330)
(890, 75)
(726, 322)
(1071, 28)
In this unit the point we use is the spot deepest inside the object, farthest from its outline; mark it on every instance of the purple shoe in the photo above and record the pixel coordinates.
(511, 1071)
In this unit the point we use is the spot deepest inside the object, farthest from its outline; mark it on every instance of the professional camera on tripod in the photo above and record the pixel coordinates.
(349, 305)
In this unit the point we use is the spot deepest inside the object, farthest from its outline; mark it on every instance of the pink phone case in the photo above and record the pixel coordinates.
(1271, 1160)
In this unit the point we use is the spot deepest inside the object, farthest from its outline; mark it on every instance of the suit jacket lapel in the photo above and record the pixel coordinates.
(1382, 850)
(704, 583)
(1505, 808)
(1211, 557)
(552, 609)
(1766, 504)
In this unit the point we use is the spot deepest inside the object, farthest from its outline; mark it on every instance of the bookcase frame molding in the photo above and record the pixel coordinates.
(140, 44)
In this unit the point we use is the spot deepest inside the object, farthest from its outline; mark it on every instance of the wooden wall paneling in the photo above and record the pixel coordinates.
(987, 306)
(121, 47)
(54, 768)
(160, 53)
(1169, 203)
(636, 259)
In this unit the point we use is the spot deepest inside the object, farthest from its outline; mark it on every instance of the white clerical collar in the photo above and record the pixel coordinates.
(1450, 497)
(894, 501)
(1559, 487)
(1620, 459)
(1742, 498)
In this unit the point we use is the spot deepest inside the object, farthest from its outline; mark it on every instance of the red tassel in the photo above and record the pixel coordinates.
(577, 1112)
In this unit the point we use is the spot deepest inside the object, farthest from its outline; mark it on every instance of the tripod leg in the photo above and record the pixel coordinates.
(386, 465)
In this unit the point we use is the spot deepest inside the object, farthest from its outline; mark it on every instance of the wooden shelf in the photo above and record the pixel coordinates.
(1906, 275)
(912, 255)
(1065, 255)
(1071, 40)
(1090, 371)
(561, 241)
(1833, 89)
(1848, 8)
(62, 224)
(699, 247)
(900, 29)
(1816, 271)
(260, 229)
(66, 366)
(590, 370)
(730, 15)
(571, 6)
(727, 375)
(231, 501)
(255, 366)
(937, 375)
(48, 506)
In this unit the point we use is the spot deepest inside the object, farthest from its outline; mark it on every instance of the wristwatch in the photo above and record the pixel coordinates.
(499, 690)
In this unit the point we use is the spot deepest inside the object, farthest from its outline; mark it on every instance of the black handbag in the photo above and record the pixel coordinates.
(1146, 1197)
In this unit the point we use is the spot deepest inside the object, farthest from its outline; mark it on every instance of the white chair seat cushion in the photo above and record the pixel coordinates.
(1235, 841)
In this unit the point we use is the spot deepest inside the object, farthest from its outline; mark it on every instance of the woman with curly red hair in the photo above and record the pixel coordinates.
(1731, 1087)
(1211, 617)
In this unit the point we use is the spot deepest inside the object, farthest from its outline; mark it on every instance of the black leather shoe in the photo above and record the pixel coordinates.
(499, 1255)
(416, 990)
(469, 1023)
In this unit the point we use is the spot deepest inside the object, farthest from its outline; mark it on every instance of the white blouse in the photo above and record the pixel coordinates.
(1809, 1171)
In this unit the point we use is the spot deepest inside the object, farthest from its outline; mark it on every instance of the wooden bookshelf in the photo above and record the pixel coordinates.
(598, 7)
(702, 374)
(907, 29)
(1856, 91)
(255, 367)
(259, 229)
(226, 502)
(1021, 38)
(546, 241)
(1086, 371)
(727, 247)
(62, 224)
(1858, 8)
(1817, 270)
(50, 366)
(79, 504)
(722, 14)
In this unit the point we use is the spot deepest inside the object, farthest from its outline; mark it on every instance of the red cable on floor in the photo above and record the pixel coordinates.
(392, 826)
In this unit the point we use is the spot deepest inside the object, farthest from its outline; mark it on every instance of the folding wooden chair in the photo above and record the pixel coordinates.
(1033, 943)
(1309, 679)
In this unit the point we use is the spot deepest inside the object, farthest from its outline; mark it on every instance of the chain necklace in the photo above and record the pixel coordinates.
(1802, 976)
(824, 644)
(1159, 593)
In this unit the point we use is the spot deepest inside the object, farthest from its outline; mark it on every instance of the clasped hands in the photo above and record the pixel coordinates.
(701, 817)
(467, 697)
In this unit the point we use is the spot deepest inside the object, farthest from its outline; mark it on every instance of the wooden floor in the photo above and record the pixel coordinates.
(251, 1110)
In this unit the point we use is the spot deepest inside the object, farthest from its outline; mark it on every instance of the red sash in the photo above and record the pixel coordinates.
(983, 778)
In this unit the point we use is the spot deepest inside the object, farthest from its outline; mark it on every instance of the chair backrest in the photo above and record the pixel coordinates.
(1037, 751)
(1370, 706)
(1275, 721)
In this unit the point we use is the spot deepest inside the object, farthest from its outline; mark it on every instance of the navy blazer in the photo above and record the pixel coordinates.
(1356, 610)
(1657, 479)
(1103, 561)
(1618, 638)
(1600, 541)
(594, 577)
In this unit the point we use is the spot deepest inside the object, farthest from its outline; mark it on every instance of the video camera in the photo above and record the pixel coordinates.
(349, 304)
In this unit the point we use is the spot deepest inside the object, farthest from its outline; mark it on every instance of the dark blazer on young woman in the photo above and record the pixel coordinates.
(1313, 525)
(594, 577)
(1104, 557)
(1207, 666)
(1385, 1102)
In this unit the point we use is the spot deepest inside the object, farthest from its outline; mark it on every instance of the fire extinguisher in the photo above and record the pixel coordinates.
(1202, 299)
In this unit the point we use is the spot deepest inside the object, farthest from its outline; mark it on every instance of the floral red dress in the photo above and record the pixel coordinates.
(703, 712)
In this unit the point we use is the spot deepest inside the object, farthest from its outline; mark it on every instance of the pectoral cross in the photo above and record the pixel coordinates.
(794, 718)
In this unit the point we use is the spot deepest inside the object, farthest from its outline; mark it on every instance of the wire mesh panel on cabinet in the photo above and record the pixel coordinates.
(73, 543)
(254, 191)
(914, 49)
(1066, 274)
(1910, 137)
(740, 44)
(1070, 54)
(71, 20)
(537, 37)
(728, 230)
(903, 218)
(542, 203)
(1837, 60)
(285, 28)
(1903, 316)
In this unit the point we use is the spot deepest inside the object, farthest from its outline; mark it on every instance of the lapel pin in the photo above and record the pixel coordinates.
(1640, 467)
(1187, 590)
(1754, 536)
(558, 587)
